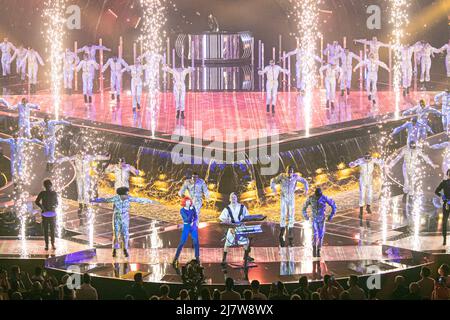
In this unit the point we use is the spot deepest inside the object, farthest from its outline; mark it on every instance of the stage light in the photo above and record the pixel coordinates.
(341, 166)
(162, 176)
(211, 186)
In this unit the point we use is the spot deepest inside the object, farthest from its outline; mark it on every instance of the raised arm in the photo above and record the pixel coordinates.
(65, 159)
(411, 111)
(361, 41)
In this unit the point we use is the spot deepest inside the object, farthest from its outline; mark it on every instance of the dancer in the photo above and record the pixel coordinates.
(70, 63)
(346, 58)
(190, 227)
(122, 172)
(233, 214)
(116, 64)
(411, 156)
(88, 66)
(33, 60)
(426, 52)
(333, 52)
(47, 201)
(197, 189)
(367, 166)
(300, 66)
(19, 55)
(136, 71)
(51, 127)
(332, 72)
(288, 183)
(372, 65)
(151, 59)
(443, 191)
(121, 217)
(91, 50)
(179, 87)
(446, 47)
(273, 72)
(444, 97)
(406, 66)
(414, 129)
(422, 111)
(82, 164)
(23, 108)
(6, 47)
(318, 203)
(374, 46)
(446, 154)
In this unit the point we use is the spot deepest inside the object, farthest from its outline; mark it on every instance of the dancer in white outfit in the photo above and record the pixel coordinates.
(19, 55)
(33, 60)
(374, 46)
(414, 131)
(23, 108)
(445, 155)
(444, 48)
(422, 111)
(91, 51)
(6, 47)
(151, 59)
(272, 72)
(88, 66)
(122, 172)
(179, 87)
(70, 63)
(116, 64)
(444, 98)
(300, 66)
(426, 52)
(333, 52)
(406, 65)
(137, 71)
(346, 58)
(332, 73)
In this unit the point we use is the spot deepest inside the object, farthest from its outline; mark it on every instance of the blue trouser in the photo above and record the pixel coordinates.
(318, 232)
(193, 231)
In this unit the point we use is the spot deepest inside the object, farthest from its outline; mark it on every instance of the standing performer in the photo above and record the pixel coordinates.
(196, 188)
(347, 70)
(288, 183)
(151, 59)
(136, 71)
(444, 97)
(179, 87)
(122, 172)
(411, 156)
(23, 108)
(116, 64)
(426, 52)
(82, 164)
(367, 166)
(300, 66)
(318, 203)
(121, 217)
(51, 127)
(443, 191)
(6, 47)
(333, 52)
(446, 154)
(415, 131)
(190, 227)
(446, 47)
(47, 201)
(70, 63)
(234, 213)
(19, 55)
(88, 66)
(374, 46)
(332, 72)
(406, 66)
(272, 71)
(33, 60)
(422, 111)
(372, 65)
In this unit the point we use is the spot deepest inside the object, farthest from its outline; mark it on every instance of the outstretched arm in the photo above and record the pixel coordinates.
(427, 159)
(104, 200)
(290, 54)
(5, 103)
(355, 163)
(410, 111)
(142, 200)
(400, 129)
(440, 146)
(33, 106)
(397, 159)
(383, 65)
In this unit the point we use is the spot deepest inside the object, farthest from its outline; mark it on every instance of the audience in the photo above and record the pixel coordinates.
(354, 291)
(256, 294)
(86, 291)
(164, 291)
(331, 289)
(247, 295)
(206, 295)
(216, 295)
(414, 292)
(184, 295)
(426, 284)
(229, 293)
(137, 290)
(400, 290)
(279, 292)
(303, 289)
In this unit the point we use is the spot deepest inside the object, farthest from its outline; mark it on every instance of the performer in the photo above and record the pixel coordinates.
(300, 66)
(372, 65)
(426, 52)
(288, 183)
(318, 203)
(23, 108)
(179, 87)
(121, 217)
(91, 50)
(422, 111)
(367, 166)
(136, 71)
(272, 71)
(197, 189)
(333, 52)
(19, 55)
(444, 97)
(374, 46)
(47, 201)
(411, 156)
(446, 155)
(190, 227)
(122, 172)
(406, 66)
(446, 47)
(332, 72)
(234, 213)
(151, 59)
(414, 129)
(6, 47)
(33, 60)
(347, 70)
(51, 127)
(70, 63)
(116, 64)
(88, 66)
(82, 164)
(443, 191)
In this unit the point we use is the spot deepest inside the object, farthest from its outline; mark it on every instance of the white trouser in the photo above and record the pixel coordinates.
(407, 72)
(346, 80)
(365, 194)
(21, 70)
(330, 87)
(83, 184)
(6, 65)
(371, 83)
(230, 240)
(425, 66)
(446, 162)
(136, 92)
(116, 83)
(50, 146)
(25, 128)
(447, 63)
(272, 92)
(32, 73)
(68, 79)
(180, 97)
(88, 84)
(300, 83)
(287, 209)
(407, 177)
(446, 121)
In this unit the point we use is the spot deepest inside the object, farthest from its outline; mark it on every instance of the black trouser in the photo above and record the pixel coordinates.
(446, 213)
(49, 223)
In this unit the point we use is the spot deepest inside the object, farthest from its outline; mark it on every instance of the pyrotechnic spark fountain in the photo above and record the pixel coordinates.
(399, 20)
(307, 16)
(153, 20)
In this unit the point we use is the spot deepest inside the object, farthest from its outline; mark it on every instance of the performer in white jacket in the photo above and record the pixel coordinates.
(117, 65)
(374, 46)
(151, 59)
(426, 53)
(33, 60)
(444, 98)
(332, 73)
(137, 71)
(122, 172)
(88, 66)
(300, 66)
(446, 155)
(333, 52)
(6, 47)
(23, 108)
(70, 63)
(444, 48)
(179, 87)
(19, 55)
(272, 71)
(346, 58)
